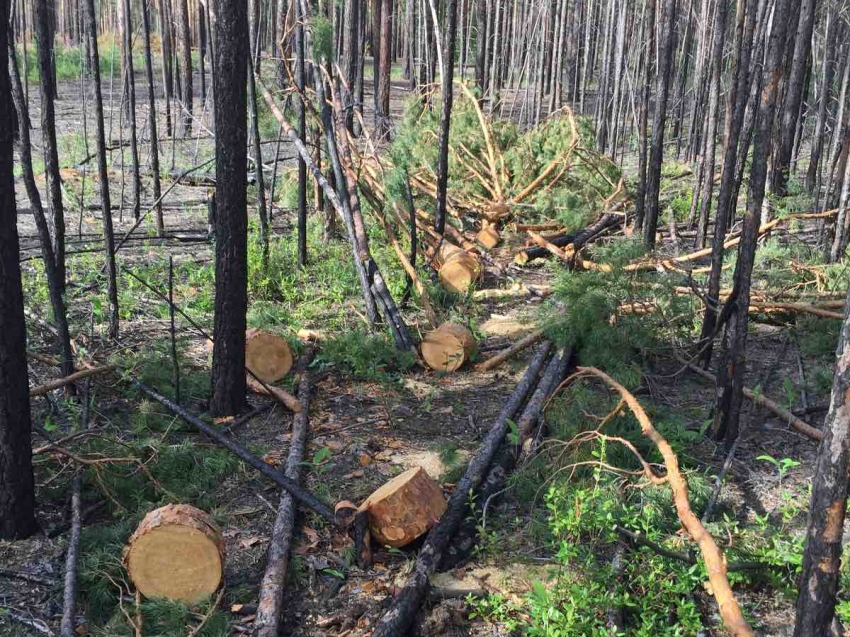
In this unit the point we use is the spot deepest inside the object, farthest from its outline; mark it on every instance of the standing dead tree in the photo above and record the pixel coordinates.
(231, 220)
(732, 367)
(17, 486)
(825, 529)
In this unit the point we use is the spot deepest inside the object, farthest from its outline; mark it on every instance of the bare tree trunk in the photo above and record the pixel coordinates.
(17, 486)
(157, 189)
(445, 114)
(382, 102)
(127, 32)
(57, 302)
(828, 75)
(262, 211)
(300, 82)
(794, 97)
(825, 528)
(167, 73)
(653, 185)
(649, 55)
(186, 91)
(44, 45)
(709, 150)
(231, 220)
(732, 367)
(202, 50)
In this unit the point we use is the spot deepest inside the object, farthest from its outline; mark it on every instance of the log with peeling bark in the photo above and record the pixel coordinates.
(448, 347)
(398, 619)
(73, 378)
(404, 508)
(569, 243)
(274, 580)
(715, 560)
(505, 354)
(278, 393)
(464, 540)
(177, 552)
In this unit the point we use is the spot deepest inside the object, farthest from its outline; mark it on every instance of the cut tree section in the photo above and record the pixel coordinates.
(488, 236)
(176, 553)
(404, 508)
(448, 347)
(459, 269)
(267, 355)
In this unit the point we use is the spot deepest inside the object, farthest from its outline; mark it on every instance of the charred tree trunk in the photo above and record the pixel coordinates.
(738, 96)
(794, 97)
(445, 115)
(818, 137)
(382, 102)
(481, 46)
(154, 135)
(17, 486)
(57, 301)
(825, 528)
(649, 55)
(732, 367)
(351, 53)
(202, 50)
(186, 91)
(653, 179)
(167, 73)
(262, 211)
(44, 46)
(300, 82)
(231, 220)
(127, 33)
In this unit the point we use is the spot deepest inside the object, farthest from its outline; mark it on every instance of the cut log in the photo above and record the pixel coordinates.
(279, 394)
(267, 355)
(488, 236)
(404, 508)
(177, 553)
(448, 347)
(459, 269)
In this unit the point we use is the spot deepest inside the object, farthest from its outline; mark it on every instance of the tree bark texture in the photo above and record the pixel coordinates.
(17, 487)
(231, 221)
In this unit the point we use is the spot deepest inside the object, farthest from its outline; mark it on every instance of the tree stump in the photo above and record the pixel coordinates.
(448, 347)
(267, 355)
(177, 552)
(404, 508)
(459, 269)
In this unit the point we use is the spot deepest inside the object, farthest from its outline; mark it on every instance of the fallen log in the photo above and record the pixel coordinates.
(570, 243)
(397, 620)
(464, 540)
(715, 560)
(177, 552)
(505, 354)
(404, 508)
(73, 378)
(274, 579)
(298, 492)
(68, 625)
(763, 401)
(448, 347)
(278, 393)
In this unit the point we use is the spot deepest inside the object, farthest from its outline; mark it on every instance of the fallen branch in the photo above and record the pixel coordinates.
(298, 492)
(274, 579)
(69, 605)
(278, 393)
(401, 614)
(505, 354)
(763, 401)
(73, 378)
(464, 540)
(517, 291)
(715, 561)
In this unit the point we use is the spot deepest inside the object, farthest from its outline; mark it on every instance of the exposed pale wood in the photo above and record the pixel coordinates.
(267, 355)
(278, 393)
(448, 347)
(177, 552)
(404, 508)
(505, 354)
(73, 378)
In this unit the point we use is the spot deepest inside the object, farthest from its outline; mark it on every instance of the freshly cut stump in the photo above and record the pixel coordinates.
(488, 236)
(177, 552)
(448, 347)
(459, 270)
(404, 508)
(267, 355)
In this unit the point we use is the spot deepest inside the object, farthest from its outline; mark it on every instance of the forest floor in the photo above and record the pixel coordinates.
(371, 416)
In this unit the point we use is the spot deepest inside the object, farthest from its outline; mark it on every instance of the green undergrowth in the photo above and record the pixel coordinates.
(69, 58)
